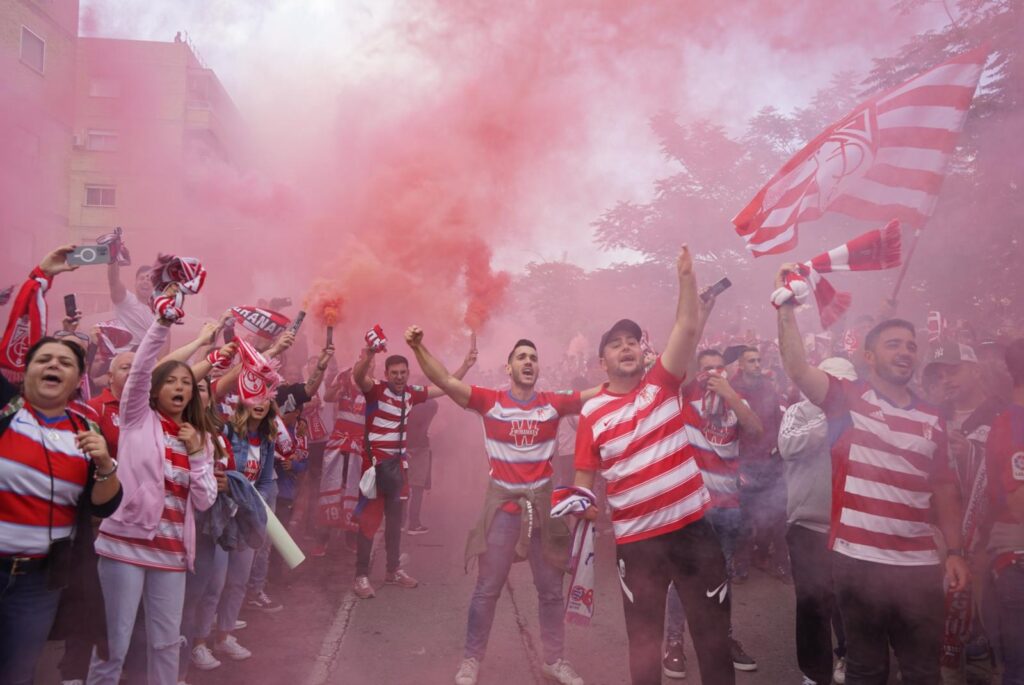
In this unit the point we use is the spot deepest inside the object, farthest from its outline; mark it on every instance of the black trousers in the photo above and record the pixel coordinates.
(816, 611)
(885, 605)
(690, 557)
(392, 539)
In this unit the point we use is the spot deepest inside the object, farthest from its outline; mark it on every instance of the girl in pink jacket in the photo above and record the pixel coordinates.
(146, 548)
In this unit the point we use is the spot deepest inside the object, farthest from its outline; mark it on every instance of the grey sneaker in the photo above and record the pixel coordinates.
(468, 671)
(561, 672)
(362, 588)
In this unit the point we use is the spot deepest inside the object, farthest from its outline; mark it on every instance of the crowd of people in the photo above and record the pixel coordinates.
(878, 474)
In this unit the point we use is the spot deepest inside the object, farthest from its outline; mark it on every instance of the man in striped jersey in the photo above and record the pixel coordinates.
(388, 403)
(891, 479)
(635, 431)
(520, 437)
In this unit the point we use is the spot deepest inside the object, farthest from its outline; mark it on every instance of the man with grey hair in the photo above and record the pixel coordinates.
(805, 445)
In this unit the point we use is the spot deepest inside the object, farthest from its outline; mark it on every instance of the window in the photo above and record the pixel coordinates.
(100, 87)
(100, 196)
(33, 49)
(103, 141)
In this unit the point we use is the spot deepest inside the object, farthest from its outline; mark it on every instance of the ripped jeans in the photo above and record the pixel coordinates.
(124, 586)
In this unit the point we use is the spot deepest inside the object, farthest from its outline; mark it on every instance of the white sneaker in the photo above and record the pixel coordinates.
(230, 648)
(468, 671)
(240, 624)
(839, 673)
(203, 658)
(561, 672)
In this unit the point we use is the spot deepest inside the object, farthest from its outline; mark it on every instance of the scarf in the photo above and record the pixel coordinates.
(113, 337)
(185, 272)
(376, 340)
(259, 377)
(711, 404)
(579, 605)
(937, 326)
(872, 251)
(118, 250)
(26, 324)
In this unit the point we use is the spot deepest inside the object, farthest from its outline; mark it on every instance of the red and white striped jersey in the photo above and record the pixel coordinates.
(641, 445)
(25, 482)
(384, 426)
(718, 439)
(520, 436)
(166, 551)
(886, 462)
(349, 420)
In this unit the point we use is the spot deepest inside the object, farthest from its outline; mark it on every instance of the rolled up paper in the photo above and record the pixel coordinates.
(281, 540)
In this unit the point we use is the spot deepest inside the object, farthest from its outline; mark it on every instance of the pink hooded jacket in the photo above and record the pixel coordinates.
(141, 455)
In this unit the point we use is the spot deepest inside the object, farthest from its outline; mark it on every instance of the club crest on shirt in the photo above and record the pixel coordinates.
(645, 397)
(1017, 464)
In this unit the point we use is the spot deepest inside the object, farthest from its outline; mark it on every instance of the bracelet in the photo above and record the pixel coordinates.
(100, 477)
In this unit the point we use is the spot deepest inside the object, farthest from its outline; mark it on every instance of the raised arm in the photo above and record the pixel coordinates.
(186, 351)
(361, 371)
(682, 340)
(704, 309)
(811, 381)
(117, 289)
(445, 383)
(135, 398)
(314, 381)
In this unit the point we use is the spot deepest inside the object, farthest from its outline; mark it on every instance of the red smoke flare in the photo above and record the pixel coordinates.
(324, 302)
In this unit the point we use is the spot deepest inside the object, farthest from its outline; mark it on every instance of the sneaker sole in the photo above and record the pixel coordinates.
(206, 667)
(744, 667)
(406, 587)
(234, 657)
(669, 673)
(266, 610)
(417, 532)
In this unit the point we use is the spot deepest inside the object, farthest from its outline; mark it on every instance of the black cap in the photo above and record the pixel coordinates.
(621, 326)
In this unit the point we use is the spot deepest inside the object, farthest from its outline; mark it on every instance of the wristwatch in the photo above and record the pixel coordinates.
(100, 477)
(956, 552)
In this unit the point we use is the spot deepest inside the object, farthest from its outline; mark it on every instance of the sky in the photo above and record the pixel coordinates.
(721, 63)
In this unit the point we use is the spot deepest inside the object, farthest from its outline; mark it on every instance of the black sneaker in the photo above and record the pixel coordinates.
(262, 602)
(741, 661)
(674, 663)
(417, 530)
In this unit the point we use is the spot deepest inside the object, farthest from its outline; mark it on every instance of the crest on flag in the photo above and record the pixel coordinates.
(886, 159)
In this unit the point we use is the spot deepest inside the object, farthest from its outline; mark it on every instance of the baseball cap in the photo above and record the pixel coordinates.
(627, 326)
(951, 352)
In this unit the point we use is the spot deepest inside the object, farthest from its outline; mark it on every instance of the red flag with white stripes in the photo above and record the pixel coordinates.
(886, 159)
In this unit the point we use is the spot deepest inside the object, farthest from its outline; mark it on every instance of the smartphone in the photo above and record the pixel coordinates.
(70, 306)
(298, 322)
(716, 289)
(330, 335)
(87, 255)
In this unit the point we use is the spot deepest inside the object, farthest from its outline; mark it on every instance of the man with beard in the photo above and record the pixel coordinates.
(891, 480)
(520, 428)
(635, 431)
(762, 487)
(132, 308)
(969, 411)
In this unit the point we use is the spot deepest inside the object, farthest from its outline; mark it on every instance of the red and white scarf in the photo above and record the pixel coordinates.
(185, 272)
(259, 377)
(711, 404)
(872, 251)
(113, 337)
(118, 250)
(579, 605)
(26, 324)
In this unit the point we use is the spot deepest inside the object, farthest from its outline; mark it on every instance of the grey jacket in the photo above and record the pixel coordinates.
(807, 459)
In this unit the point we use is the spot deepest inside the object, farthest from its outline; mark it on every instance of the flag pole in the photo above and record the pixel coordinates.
(906, 265)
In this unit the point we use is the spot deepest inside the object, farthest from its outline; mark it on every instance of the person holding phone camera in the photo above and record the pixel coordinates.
(53, 463)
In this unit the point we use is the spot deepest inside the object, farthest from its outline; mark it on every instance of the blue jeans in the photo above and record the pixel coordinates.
(1009, 591)
(197, 584)
(494, 567)
(27, 610)
(261, 563)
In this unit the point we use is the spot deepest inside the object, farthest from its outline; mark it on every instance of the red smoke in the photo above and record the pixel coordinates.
(324, 302)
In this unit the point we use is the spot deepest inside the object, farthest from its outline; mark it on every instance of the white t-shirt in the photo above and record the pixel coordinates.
(135, 316)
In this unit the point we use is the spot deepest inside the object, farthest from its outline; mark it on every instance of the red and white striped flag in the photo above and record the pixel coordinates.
(886, 159)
